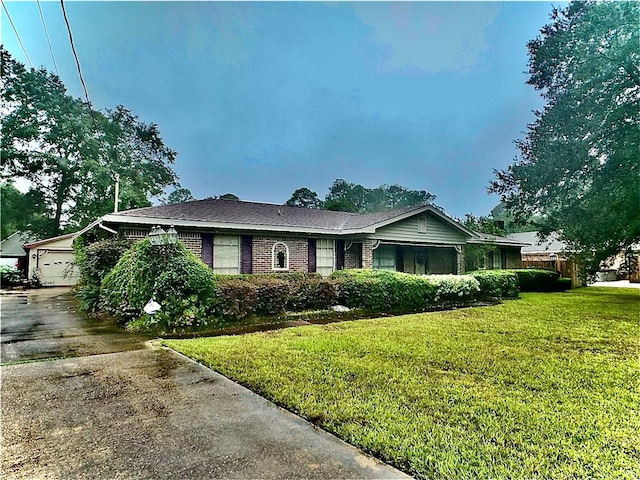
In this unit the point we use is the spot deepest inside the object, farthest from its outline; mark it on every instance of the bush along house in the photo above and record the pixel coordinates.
(246, 237)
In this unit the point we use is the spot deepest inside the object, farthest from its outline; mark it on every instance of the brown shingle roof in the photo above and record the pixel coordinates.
(265, 214)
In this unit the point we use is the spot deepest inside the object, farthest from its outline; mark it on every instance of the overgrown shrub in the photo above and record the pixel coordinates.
(94, 262)
(497, 283)
(272, 295)
(178, 280)
(10, 276)
(401, 292)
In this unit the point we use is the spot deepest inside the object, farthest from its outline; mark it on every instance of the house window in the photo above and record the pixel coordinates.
(422, 224)
(226, 254)
(280, 256)
(325, 256)
(384, 258)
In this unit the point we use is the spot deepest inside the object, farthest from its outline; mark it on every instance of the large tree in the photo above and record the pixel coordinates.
(305, 198)
(578, 168)
(22, 211)
(71, 155)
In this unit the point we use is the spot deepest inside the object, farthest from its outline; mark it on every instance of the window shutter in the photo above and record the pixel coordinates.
(399, 259)
(207, 249)
(246, 264)
(311, 255)
(339, 254)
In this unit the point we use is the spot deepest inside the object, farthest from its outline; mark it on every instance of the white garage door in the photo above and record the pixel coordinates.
(56, 269)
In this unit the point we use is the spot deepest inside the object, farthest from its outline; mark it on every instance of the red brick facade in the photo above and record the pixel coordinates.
(191, 240)
(263, 254)
(358, 254)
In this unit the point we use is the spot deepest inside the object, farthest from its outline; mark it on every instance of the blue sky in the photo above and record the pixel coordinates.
(262, 98)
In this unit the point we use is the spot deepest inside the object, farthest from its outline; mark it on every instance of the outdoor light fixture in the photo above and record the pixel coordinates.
(159, 237)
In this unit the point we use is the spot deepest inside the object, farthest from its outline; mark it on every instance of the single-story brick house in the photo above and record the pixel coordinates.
(247, 237)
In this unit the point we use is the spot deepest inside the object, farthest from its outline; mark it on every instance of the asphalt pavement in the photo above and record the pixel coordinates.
(84, 399)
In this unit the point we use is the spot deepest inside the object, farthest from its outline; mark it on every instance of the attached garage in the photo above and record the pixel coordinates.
(51, 261)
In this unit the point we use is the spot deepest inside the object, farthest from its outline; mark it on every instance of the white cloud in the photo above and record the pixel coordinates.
(428, 36)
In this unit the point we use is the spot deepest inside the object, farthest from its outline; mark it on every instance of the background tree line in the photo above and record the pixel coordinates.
(352, 197)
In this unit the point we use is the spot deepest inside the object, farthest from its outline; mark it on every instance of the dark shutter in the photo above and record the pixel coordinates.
(246, 264)
(339, 254)
(399, 259)
(311, 255)
(503, 258)
(207, 249)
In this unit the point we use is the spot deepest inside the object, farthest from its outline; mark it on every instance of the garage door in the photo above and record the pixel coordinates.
(56, 269)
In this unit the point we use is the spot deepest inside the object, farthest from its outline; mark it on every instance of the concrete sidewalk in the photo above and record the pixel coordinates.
(144, 413)
(616, 284)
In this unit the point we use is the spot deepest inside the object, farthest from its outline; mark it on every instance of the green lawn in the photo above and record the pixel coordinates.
(545, 386)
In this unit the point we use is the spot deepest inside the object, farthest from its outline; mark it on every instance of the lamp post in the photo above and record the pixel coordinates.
(158, 237)
(160, 240)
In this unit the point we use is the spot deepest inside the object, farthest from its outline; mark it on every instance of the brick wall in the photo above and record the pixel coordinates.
(263, 249)
(353, 256)
(460, 260)
(367, 253)
(191, 240)
(135, 234)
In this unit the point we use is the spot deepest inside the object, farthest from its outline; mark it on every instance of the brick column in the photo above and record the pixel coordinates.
(367, 253)
(460, 260)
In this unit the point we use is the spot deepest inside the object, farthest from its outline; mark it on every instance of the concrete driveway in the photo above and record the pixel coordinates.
(93, 402)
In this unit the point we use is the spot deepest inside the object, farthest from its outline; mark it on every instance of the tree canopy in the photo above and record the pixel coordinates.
(70, 154)
(352, 197)
(179, 195)
(578, 167)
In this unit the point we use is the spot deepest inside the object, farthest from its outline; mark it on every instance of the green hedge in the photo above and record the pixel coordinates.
(401, 292)
(538, 280)
(497, 283)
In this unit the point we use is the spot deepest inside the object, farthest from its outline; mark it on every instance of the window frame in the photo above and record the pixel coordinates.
(274, 260)
(218, 241)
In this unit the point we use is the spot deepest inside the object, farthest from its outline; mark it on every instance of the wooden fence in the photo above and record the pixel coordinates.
(567, 268)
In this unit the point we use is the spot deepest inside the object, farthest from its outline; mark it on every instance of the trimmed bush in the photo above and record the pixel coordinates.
(401, 292)
(178, 280)
(312, 293)
(497, 283)
(562, 285)
(536, 280)
(235, 298)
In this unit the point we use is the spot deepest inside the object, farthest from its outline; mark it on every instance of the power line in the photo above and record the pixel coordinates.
(46, 32)
(75, 55)
(17, 34)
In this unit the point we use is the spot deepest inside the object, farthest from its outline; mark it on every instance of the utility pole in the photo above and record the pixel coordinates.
(117, 193)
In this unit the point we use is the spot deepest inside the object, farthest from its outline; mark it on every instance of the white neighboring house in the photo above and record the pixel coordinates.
(52, 261)
(11, 251)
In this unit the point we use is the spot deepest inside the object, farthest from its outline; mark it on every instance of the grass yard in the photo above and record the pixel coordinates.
(544, 386)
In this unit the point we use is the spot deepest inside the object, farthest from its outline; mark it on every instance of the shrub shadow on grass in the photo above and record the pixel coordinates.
(316, 317)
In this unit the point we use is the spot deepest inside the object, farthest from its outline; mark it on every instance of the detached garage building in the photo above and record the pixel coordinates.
(51, 261)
